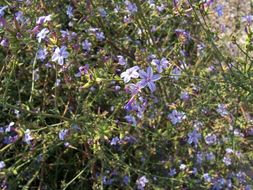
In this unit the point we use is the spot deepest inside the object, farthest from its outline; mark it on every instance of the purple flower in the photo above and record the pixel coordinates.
(27, 138)
(141, 182)
(176, 117)
(184, 96)
(42, 54)
(69, 11)
(148, 79)
(62, 134)
(227, 160)
(126, 180)
(247, 18)
(130, 73)
(194, 137)
(121, 60)
(2, 165)
(131, 119)
(86, 45)
(102, 12)
(219, 10)
(207, 177)
(222, 110)
(4, 42)
(42, 34)
(172, 172)
(210, 139)
(163, 64)
(43, 19)
(100, 36)
(2, 10)
(60, 54)
(19, 16)
(131, 7)
(115, 141)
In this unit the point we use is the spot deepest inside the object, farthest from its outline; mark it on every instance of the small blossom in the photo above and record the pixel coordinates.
(247, 18)
(2, 165)
(102, 12)
(130, 73)
(131, 7)
(69, 11)
(86, 45)
(160, 64)
(19, 16)
(115, 141)
(194, 137)
(27, 138)
(62, 134)
(4, 42)
(60, 54)
(141, 182)
(227, 160)
(207, 177)
(148, 79)
(184, 96)
(176, 117)
(210, 139)
(2, 9)
(219, 10)
(42, 34)
(100, 35)
(172, 172)
(42, 54)
(121, 60)
(222, 110)
(182, 166)
(43, 19)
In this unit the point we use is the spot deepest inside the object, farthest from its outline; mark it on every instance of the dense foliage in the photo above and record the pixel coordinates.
(134, 94)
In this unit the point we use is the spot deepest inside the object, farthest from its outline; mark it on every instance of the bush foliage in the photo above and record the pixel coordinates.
(134, 94)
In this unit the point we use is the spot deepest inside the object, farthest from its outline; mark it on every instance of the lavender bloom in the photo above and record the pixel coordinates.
(100, 36)
(184, 96)
(115, 141)
(82, 70)
(163, 64)
(102, 12)
(86, 45)
(131, 119)
(126, 180)
(62, 134)
(141, 182)
(42, 34)
(2, 10)
(148, 79)
(69, 11)
(42, 54)
(121, 60)
(2, 22)
(219, 10)
(60, 54)
(176, 72)
(172, 172)
(247, 18)
(176, 117)
(27, 138)
(227, 160)
(2, 165)
(210, 156)
(130, 73)
(131, 7)
(193, 137)
(207, 177)
(19, 16)
(43, 19)
(4, 42)
(222, 110)
(210, 139)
